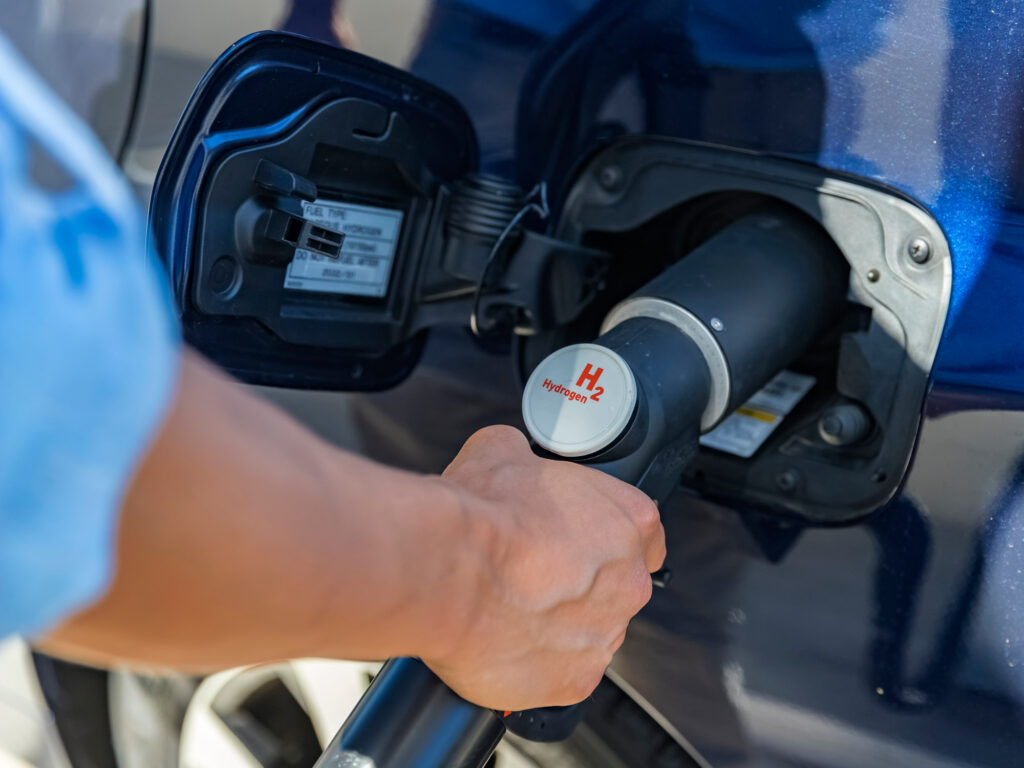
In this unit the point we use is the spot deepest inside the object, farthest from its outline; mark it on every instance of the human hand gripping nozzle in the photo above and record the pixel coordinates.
(671, 362)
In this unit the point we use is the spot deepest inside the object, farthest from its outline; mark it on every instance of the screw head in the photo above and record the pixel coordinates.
(873, 275)
(831, 426)
(919, 250)
(844, 424)
(610, 177)
(788, 480)
(225, 277)
(717, 324)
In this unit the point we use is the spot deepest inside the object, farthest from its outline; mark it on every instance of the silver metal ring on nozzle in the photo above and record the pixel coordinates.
(695, 329)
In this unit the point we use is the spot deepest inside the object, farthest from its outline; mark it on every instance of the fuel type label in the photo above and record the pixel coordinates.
(363, 267)
(588, 379)
(749, 426)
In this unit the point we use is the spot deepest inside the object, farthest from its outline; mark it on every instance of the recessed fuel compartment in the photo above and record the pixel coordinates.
(844, 416)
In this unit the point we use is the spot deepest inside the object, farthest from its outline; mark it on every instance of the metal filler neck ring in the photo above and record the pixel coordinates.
(701, 335)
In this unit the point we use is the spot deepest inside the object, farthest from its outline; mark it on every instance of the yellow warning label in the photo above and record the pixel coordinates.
(767, 418)
(748, 427)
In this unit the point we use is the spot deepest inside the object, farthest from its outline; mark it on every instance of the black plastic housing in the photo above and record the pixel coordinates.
(352, 129)
(319, 212)
(672, 388)
(766, 286)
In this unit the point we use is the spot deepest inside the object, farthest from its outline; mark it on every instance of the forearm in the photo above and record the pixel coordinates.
(244, 538)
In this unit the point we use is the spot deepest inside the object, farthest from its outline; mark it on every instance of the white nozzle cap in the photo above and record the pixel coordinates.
(579, 400)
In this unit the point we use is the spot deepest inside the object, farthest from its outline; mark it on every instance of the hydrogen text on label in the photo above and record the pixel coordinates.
(558, 389)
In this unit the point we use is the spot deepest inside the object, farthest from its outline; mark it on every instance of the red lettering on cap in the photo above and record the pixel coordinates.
(589, 377)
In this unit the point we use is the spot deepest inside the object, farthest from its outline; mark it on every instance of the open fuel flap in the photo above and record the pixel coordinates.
(759, 329)
(319, 211)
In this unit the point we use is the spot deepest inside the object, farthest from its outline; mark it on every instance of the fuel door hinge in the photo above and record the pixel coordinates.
(515, 278)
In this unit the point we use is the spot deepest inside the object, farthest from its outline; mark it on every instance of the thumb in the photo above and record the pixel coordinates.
(497, 444)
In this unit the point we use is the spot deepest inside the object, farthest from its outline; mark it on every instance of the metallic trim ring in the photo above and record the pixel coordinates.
(699, 333)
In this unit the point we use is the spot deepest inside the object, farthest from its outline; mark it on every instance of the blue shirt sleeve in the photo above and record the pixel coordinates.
(88, 354)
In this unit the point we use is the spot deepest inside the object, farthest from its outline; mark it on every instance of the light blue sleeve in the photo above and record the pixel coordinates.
(88, 355)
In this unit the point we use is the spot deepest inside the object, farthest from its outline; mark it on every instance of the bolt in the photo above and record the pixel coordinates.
(610, 177)
(717, 324)
(831, 426)
(873, 275)
(844, 424)
(920, 250)
(224, 277)
(788, 480)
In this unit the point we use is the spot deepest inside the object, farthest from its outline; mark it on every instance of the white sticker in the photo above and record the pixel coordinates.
(364, 265)
(749, 426)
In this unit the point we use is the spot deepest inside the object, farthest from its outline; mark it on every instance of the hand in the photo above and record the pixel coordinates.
(567, 557)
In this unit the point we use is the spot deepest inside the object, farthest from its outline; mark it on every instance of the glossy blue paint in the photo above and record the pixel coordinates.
(922, 95)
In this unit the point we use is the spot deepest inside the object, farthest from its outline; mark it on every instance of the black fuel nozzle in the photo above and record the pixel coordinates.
(410, 719)
(672, 361)
(695, 343)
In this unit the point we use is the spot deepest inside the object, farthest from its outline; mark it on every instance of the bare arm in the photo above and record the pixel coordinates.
(245, 538)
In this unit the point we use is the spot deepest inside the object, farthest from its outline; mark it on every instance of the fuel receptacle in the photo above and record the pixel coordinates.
(688, 348)
(779, 330)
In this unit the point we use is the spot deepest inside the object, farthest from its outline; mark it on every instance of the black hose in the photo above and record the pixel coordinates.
(408, 718)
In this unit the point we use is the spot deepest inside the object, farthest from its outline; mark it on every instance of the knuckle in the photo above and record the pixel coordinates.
(491, 454)
(587, 682)
(645, 513)
(504, 434)
(617, 642)
(506, 477)
(646, 591)
(641, 589)
(495, 438)
(657, 555)
(480, 436)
